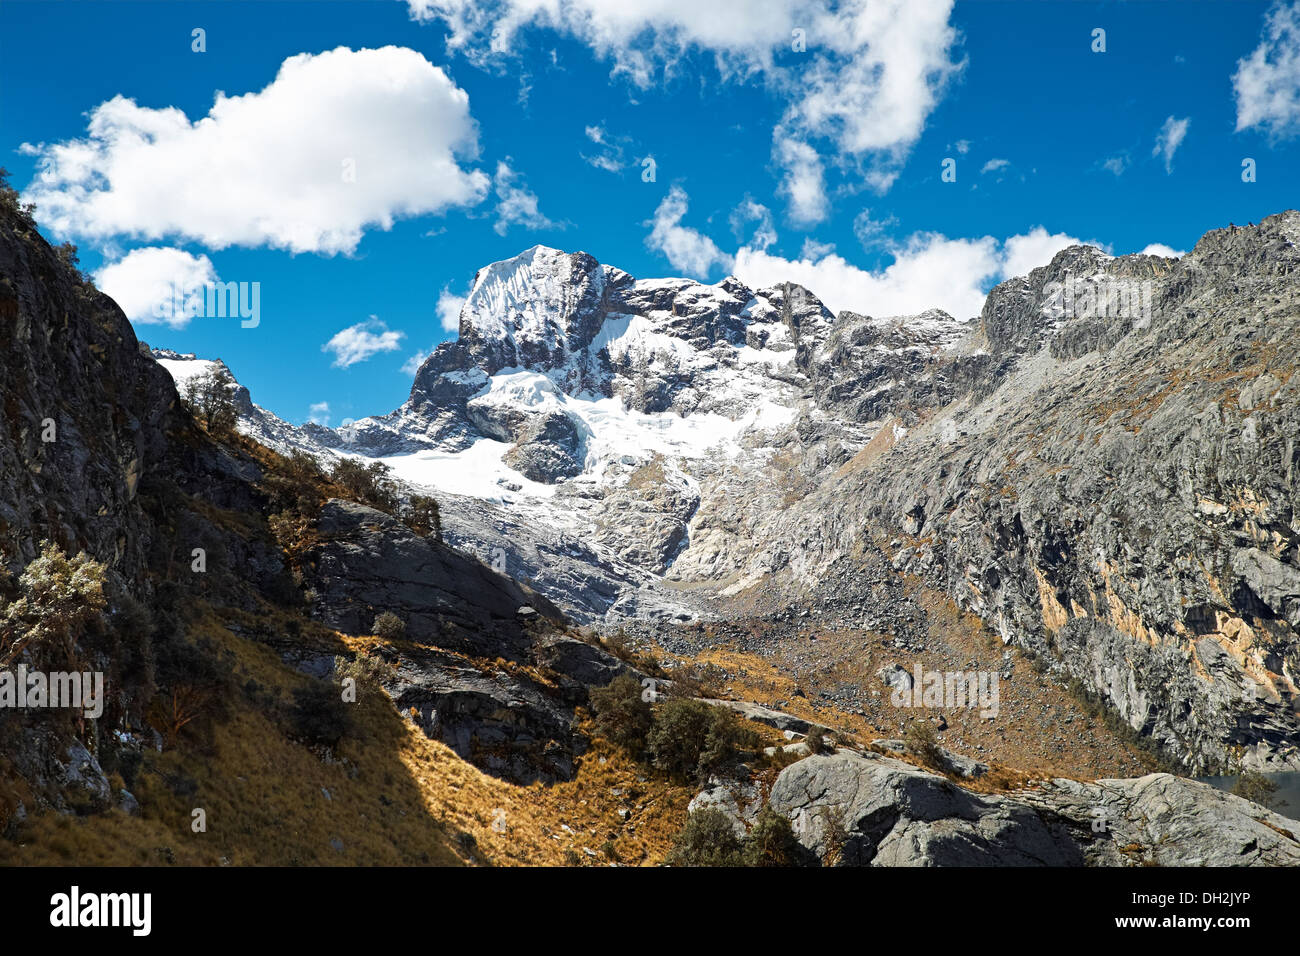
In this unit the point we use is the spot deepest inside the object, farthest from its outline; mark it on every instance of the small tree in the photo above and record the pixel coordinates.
(708, 839)
(368, 484)
(923, 742)
(210, 397)
(622, 717)
(12, 202)
(423, 516)
(771, 841)
(60, 597)
(1256, 788)
(693, 739)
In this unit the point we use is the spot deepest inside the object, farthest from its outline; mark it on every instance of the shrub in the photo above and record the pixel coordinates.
(389, 626)
(771, 841)
(423, 517)
(923, 742)
(1256, 788)
(816, 739)
(61, 597)
(319, 716)
(692, 738)
(708, 839)
(622, 717)
(368, 484)
(368, 669)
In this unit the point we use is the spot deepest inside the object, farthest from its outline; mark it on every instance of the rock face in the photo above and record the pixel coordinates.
(368, 562)
(1116, 494)
(867, 810)
(1101, 465)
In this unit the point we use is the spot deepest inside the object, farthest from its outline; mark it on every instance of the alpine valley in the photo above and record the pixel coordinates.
(730, 501)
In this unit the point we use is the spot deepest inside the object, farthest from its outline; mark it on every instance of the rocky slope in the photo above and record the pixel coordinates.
(1101, 465)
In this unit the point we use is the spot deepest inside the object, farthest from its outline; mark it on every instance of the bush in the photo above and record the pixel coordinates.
(370, 669)
(771, 841)
(622, 716)
(694, 739)
(368, 484)
(1256, 788)
(707, 839)
(61, 598)
(319, 716)
(389, 626)
(423, 516)
(816, 739)
(210, 397)
(923, 742)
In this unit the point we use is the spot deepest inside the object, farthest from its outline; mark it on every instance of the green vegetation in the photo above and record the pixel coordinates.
(389, 626)
(1256, 788)
(60, 598)
(210, 397)
(709, 838)
(686, 739)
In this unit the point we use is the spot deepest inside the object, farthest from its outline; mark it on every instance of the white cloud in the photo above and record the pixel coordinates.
(993, 165)
(319, 413)
(449, 306)
(517, 205)
(1267, 83)
(358, 342)
(272, 167)
(448, 309)
(871, 232)
(687, 249)
(1023, 253)
(1116, 164)
(751, 211)
(812, 249)
(1169, 138)
(612, 150)
(929, 271)
(803, 183)
(147, 283)
(1160, 249)
(863, 87)
(962, 146)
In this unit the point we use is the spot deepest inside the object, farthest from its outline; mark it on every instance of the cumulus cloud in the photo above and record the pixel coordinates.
(993, 165)
(687, 249)
(1024, 253)
(448, 310)
(517, 205)
(1160, 249)
(1169, 138)
(339, 142)
(857, 80)
(1267, 83)
(147, 283)
(319, 414)
(928, 270)
(359, 342)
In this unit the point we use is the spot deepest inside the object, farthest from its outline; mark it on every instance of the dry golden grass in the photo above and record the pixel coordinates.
(395, 797)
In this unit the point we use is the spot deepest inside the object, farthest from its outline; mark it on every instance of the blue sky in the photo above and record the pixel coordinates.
(821, 164)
